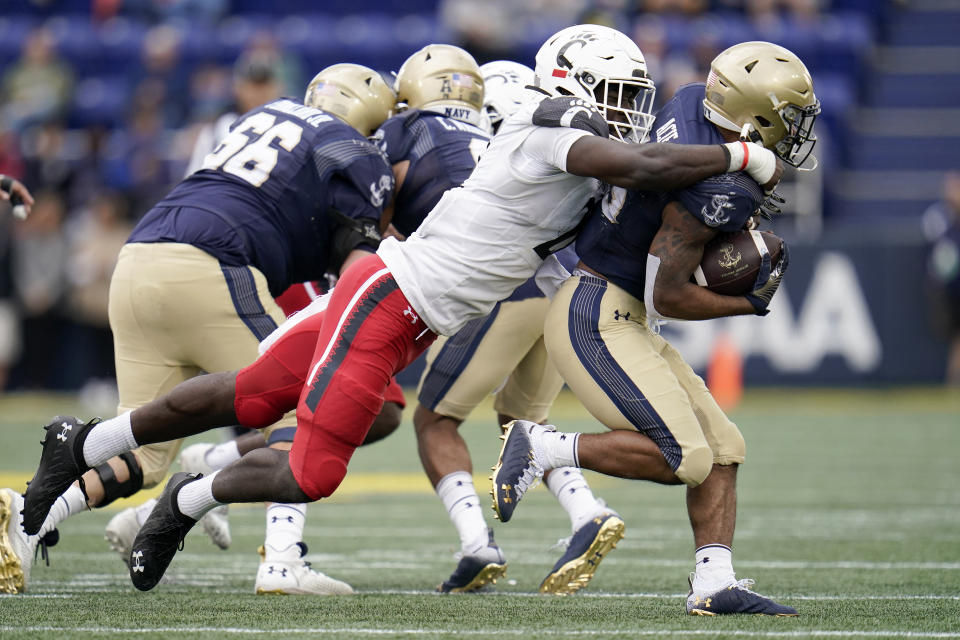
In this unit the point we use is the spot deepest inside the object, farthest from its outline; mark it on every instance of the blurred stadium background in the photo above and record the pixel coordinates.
(101, 102)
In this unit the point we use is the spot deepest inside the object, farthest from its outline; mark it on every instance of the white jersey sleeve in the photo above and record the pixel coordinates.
(552, 146)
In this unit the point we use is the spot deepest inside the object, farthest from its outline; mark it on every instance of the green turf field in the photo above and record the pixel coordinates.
(849, 511)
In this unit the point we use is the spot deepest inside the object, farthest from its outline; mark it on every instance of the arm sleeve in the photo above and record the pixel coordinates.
(552, 145)
(724, 202)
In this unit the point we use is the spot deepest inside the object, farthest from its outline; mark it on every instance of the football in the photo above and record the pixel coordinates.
(731, 261)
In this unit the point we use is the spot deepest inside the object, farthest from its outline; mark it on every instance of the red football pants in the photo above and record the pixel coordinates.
(270, 387)
(369, 334)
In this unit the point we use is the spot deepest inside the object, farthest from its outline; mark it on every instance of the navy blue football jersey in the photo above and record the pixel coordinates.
(442, 154)
(273, 192)
(621, 225)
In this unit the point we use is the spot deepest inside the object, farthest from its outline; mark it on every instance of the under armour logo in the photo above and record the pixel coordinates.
(409, 312)
(617, 315)
(282, 572)
(62, 436)
(136, 556)
(506, 492)
(278, 518)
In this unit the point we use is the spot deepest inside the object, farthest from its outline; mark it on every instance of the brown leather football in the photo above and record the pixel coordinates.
(731, 261)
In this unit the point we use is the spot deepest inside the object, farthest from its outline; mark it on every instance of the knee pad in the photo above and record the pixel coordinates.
(695, 466)
(112, 488)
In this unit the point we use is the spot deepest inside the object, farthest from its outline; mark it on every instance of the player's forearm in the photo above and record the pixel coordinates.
(688, 301)
(663, 167)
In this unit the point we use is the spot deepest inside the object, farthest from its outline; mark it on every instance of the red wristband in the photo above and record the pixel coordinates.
(746, 155)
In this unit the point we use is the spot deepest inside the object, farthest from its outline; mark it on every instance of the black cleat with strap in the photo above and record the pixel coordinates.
(61, 464)
(161, 535)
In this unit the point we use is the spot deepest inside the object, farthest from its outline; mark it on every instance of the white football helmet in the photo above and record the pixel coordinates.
(503, 90)
(606, 68)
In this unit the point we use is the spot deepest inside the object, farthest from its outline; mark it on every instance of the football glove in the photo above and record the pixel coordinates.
(768, 280)
(771, 204)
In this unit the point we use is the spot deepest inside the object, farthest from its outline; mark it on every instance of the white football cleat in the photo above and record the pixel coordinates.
(293, 576)
(216, 522)
(122, 529)
(16, 547)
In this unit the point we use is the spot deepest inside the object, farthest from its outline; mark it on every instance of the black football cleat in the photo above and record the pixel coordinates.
(476, 571)
(61, 464)
(517, 469)
(587, 548)
(161, 535)
(735, 598)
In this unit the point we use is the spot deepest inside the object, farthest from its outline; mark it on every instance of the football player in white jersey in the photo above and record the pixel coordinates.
(503, 354)
(524, 201)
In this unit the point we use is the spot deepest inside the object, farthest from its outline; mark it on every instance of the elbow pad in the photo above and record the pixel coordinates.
(350, 234)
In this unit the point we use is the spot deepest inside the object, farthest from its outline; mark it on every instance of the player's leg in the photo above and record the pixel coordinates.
(461, 371)
(337, 407)
(595, 528)
(145, 367)
(712, 508)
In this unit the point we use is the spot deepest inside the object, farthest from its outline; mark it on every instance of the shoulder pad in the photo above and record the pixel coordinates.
(567, 111)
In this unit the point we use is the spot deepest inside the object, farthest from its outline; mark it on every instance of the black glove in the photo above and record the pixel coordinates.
(768, 280)
(771, 204)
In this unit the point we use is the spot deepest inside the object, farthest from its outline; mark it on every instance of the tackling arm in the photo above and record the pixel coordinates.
(678, 246)
(663, 167)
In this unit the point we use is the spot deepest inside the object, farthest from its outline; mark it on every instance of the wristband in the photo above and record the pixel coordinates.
(738, 156)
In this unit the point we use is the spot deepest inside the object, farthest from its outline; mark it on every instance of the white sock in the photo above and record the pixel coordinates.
(714, 568)
(556, 449)
(196, 498)
(460, 499)
(108, 439)
(71, 502)
(574, 494)
(284, 530)
(220, 455)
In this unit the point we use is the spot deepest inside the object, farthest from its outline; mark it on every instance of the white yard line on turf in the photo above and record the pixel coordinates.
(489, 633)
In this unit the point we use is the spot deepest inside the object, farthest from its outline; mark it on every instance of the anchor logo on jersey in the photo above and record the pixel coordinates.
(719, 214)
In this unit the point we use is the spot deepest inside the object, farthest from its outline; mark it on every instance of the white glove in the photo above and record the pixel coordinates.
(758, 162)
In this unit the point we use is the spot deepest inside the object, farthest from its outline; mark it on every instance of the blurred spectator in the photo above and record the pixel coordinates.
(161, 10)
(256, 80)
(100, 232)
(767, 11)
(39, 268)
(263, 46)
(161, 80)
(47, 159)
(9, 324)
(38, 87)
(686, 7)
(941, 226)
(493, 31)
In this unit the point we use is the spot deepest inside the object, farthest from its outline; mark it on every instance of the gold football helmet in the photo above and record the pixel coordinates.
(442, 78)
(354, 93)
(765, 93)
